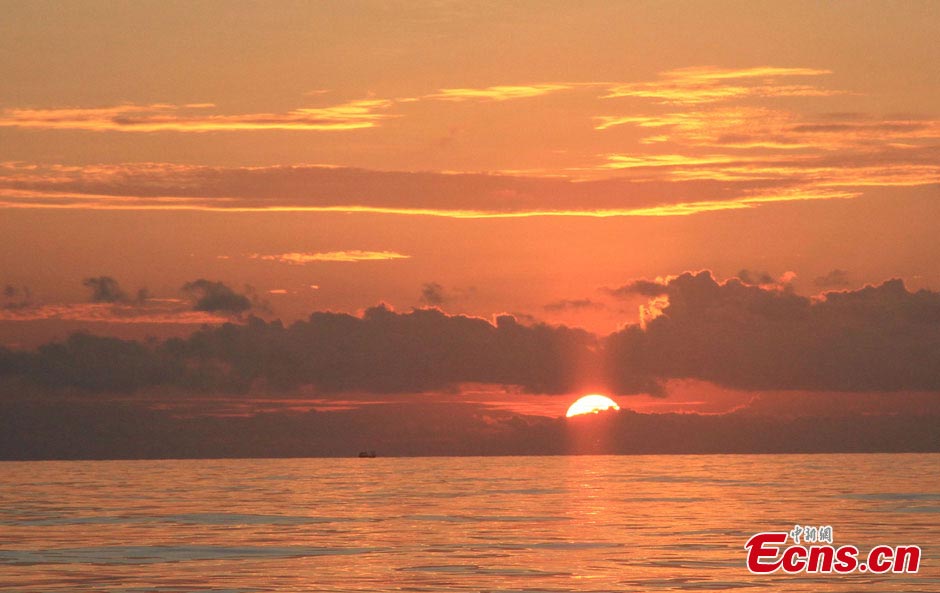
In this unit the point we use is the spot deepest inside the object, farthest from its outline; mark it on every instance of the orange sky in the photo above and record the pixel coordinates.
(523, 158)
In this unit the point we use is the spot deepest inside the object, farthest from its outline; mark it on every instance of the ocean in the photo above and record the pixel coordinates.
(508, 524)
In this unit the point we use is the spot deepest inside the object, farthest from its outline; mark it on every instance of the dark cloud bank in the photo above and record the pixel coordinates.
(92, 396)
(381, 352)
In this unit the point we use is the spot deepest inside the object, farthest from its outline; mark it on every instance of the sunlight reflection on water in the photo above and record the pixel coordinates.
(620, 523)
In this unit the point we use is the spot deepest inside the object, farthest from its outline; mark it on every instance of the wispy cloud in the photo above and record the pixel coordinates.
(627, 161)
(706, 84)
(649, 185)
(693, 124)
(756, 127)
(703, 73)
(809, 171)
(158, 312)
(354, 255)
(498, 93)
(161, 117)
(743, 203)
(677, 208)
(747, 143)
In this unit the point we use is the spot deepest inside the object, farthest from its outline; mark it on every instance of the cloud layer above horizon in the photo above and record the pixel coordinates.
(752, 335)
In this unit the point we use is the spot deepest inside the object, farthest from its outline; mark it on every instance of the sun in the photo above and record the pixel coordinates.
(591, 404)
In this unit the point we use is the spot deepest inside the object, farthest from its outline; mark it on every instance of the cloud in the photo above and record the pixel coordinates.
(755, 277)
(161, 186)
(161, 117)
(153, 312)
(15, 298)
(498, 93)
(435, 295)
(715, 153)
(878, 338)
(738, 142)
(744, 142)
(432, 294)
(741, 336)
(761, 127)
(706, 84)
(573, 304)
(719, 152)
(105, 289)
(110, 303)
(762, 72)
(381, 352)
(834, 279)
(213, 296)
(647, 288)
(813, 174)
(626, 161)
(353, 255)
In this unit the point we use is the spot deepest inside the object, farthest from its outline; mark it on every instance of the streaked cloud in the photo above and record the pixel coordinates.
(713, 73)
(204, 117)
(700, 125)
(668, 186)
(498, 93)
(752, 201)
(708, 84)
(162, 117)
(156, 313)
(744, 127)
(739, 143)
(354, 255)
(677, 208)
(626, 161)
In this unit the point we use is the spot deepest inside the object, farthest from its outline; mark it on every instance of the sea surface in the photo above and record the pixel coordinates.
(606, 523)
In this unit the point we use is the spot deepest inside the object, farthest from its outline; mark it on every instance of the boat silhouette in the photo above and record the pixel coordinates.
(367, 454)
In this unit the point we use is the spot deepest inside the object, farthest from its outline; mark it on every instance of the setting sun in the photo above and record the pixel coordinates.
(591, 404)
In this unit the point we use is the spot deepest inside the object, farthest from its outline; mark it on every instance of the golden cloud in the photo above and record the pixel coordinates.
(161, 117)
(498, 93)
(708, 84)
(678, 208)
(354, 255)
(166, 311)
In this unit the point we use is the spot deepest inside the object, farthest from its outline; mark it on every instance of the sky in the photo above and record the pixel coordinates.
(694, 208)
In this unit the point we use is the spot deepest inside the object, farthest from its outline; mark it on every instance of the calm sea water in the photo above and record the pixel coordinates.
(643, 523)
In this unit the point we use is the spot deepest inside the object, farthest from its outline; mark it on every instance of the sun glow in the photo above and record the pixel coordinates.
(591, 404)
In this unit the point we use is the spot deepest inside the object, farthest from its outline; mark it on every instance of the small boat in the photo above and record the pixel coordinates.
(367, 454)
